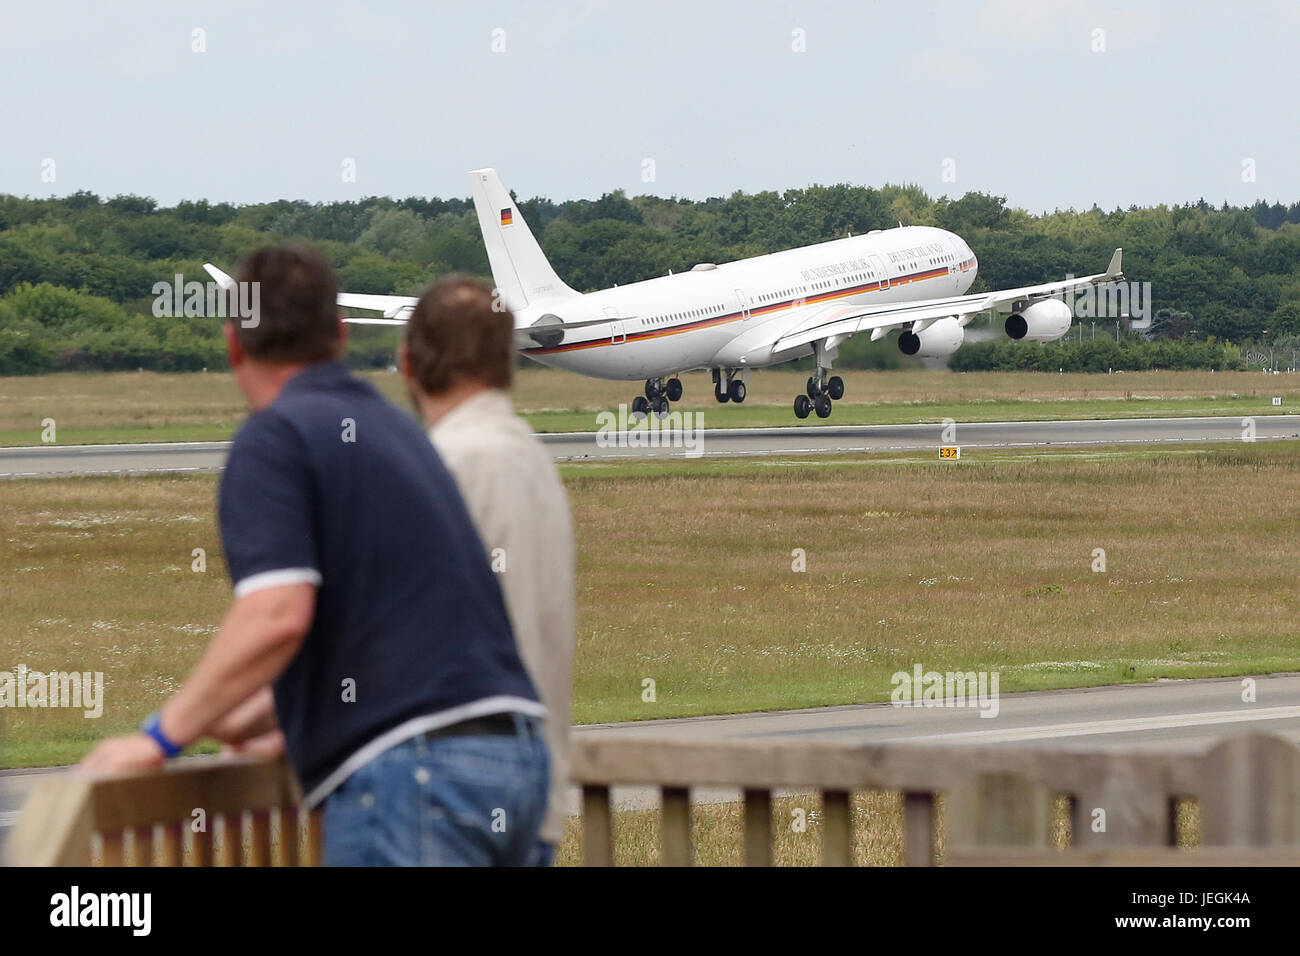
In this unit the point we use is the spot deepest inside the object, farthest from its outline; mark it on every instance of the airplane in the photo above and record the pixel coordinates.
(751, 313)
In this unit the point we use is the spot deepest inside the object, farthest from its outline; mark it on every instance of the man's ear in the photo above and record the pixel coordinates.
(234, 351)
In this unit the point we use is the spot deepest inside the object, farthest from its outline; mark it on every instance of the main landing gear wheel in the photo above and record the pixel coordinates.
(658, 393)
(835, 387)
(823, 406)
(736, 391)
(720, 395)
(802, 406)
(814, 386)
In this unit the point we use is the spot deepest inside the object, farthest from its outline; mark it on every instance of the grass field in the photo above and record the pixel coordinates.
(92, 408)
(685, 578)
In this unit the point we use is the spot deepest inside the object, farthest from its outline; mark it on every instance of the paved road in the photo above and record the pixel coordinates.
(49, 461)
(1180, 715)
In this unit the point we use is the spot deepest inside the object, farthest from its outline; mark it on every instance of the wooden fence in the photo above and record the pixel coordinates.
(998, 802)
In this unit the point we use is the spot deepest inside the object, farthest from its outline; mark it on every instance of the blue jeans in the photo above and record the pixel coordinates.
(475, 800)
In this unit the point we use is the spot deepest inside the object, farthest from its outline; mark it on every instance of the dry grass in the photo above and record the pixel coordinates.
(147, 406)
(685, 578)
(95, 575)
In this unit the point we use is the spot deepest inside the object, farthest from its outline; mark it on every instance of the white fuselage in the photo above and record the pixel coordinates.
(703, 318)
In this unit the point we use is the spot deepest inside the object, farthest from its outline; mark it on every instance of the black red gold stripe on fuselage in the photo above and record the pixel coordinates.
(767, 308)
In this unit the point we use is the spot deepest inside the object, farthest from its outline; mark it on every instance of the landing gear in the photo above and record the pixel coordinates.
(658, 394)
(821, 395)
(727, 386)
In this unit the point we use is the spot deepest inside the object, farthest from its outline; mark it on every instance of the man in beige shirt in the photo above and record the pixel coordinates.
(457, 355)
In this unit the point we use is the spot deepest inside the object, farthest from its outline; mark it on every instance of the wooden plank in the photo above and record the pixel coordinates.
(232, 838)
(1123, 805)
(259, 850)
(201, 846)
(1252, 798)
(113, 848)
(141, 846)
(1125, 856)
(919, 832)
(286, 849)
(626, 758)
(216, 786)
(56, 824)
(172, 845)
(837, 832)
(998, 809)
(758, 827)
(597, 826)
(315, 839)
(675, 832)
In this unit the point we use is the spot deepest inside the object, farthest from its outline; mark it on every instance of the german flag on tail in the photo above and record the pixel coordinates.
(507, 217)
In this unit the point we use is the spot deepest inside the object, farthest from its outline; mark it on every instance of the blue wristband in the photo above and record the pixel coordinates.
(153, 728)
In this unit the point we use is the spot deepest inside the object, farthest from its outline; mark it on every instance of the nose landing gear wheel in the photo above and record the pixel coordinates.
(721, 395)
(802, 406)
(823, 406)
(736, 391)
(835, 387)
(674, 389)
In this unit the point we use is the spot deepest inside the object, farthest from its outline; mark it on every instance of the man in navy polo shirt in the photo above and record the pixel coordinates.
(364, 599)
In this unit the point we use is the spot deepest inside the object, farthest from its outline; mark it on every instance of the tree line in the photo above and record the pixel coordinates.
(77, 273)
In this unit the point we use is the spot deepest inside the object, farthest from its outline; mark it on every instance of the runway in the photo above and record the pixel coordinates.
(1184, 715)
(181, 457)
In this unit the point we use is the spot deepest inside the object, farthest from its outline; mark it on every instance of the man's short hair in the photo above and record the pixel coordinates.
(459, 331)
(297, 317)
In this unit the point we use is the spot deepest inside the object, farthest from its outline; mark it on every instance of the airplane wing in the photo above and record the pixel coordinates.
(396, 308)
(822, 322)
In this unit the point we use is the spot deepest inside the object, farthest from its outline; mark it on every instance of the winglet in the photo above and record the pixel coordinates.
(220, 277)
(1115, 269)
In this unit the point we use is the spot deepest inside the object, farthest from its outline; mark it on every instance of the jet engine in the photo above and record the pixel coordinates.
(548, 331)
(1044, 321)
(937, 341)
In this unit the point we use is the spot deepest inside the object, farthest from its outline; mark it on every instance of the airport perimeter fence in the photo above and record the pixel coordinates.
(997, 804)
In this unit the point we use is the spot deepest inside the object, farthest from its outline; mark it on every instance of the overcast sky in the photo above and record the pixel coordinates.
(1053, 103)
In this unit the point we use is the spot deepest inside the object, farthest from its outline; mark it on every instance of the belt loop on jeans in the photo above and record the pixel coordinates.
(525, 726)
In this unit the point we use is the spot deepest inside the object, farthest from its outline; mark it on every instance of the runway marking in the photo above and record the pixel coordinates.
(1120, 726)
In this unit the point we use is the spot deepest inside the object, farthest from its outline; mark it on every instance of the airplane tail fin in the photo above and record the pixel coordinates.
(519, 268)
